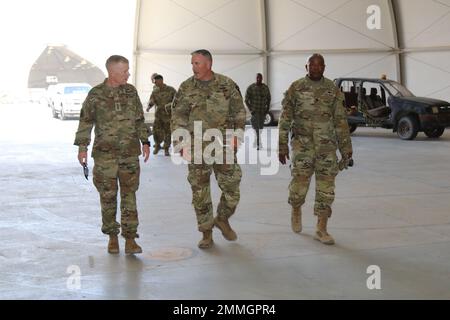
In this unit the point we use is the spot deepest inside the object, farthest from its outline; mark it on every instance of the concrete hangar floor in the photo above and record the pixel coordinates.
(391, 220)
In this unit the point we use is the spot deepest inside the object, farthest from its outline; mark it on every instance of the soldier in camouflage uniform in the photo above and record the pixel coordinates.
(162, 97)
(115, 110)
(257, 99)
(215, 101)
(314, 112)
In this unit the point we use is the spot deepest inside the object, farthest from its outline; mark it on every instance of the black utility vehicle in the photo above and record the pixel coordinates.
(388, 104)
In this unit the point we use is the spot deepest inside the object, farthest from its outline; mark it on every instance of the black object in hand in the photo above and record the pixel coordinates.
(85, 170)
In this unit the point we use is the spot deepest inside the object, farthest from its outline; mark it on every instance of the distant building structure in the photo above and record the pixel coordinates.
(58, 64)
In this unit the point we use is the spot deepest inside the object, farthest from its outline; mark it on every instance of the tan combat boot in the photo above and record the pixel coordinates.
(113, 244)
(225, 227)
(321, 233)
(296, 220)
(207, 241)
(131, 247)
(156, 149)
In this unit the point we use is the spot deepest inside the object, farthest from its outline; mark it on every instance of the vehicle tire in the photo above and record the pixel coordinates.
(352, 127)
(54, 114)
(268, 120)
(434, 133)
(62, 115)
(407, 128)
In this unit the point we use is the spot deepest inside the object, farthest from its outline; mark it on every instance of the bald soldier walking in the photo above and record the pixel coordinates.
(114, 108)
(213, 101)
(313, 111)
(257, 99)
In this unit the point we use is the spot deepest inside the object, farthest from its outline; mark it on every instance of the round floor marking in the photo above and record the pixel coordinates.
(170, 254)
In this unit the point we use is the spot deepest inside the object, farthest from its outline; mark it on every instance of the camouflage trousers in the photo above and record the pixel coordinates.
(107, 174)
(228, 177)
(161, 132)
(305, 163)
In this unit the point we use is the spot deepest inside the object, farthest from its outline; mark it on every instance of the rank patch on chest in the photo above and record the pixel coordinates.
(118, 106)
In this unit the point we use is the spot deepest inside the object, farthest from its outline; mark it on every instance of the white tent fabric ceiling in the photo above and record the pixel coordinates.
(276, 36)
(424, 33)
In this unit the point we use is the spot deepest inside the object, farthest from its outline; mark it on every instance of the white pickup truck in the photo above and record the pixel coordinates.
(67, 99)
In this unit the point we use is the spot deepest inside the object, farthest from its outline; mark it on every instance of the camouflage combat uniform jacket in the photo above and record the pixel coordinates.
(314, 112)
(217, 104)
(161, 97)
(118, 117)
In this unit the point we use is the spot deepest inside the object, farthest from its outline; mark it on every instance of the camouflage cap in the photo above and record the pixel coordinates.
(153, 76)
